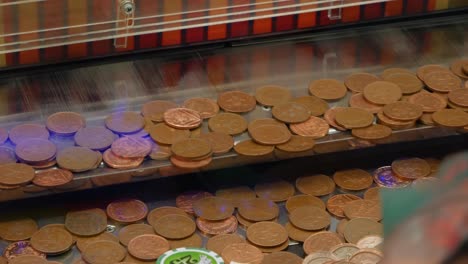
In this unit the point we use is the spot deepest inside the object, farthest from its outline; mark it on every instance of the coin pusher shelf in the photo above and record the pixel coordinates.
(129, 84)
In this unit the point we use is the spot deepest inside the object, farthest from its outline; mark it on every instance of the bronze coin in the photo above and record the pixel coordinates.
(343, 251)
(382, 93)
(28, 259)
(127, 210)
(276, 191)
(360, 227)
(16, 174)
(131, 147)
(460, 67)
(429, 69)
(429, 102)
(353, 179)
(125, 122)
(267, 250)
(191, 148)
(103, 252)
(459, 97)
(129, 259)
(83, 242)
(367, 256)
(316, 185)
(390, 71)
(411, 168)
(291, 112)
(3, 135)
(76, 159)
(52, 240)
(220, 142)
(322, 241)
(118, 162)
(62, 226)
(165, 134)
(385, 177)
(35, 150)
(65, 123)
(394, 124)
(19, 248)
(205, 107)
(320, 257)
(442, 81)
(298, 234)
(269, 134)
(187, 164)
(358, 101)
(213, 208)
(297, 144)
(162, 211)
(297, 201)
(327, 89)
(211, 228)
(336, 203)
(236, 102)
(228, 123)
(330, 115)
(267, 234)
(160, 151)
(154, 110)
(363, 208)
(258, 209)
(193, 241)
(408, 82)
(220, 242)
(357, 81)
(314, 127)
(354, 118)
(282, 258)
(272, 95)
(244, 223)
(7, 155)
(310, 218)
(372, 193)
(127, 233)
(403, 111)
(95, 138)
(242, 253)
(454, 106)
(86, 222)
(17, 229)
(182, 118)
(341, 226)
(28, 131)
(236, 194)
(372, 132)
(250, 148)
(316, 106)
(53, 178)
(186, 200)
(174, 226)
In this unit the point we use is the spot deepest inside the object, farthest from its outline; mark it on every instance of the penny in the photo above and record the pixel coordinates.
(76, 159)
(154, 110)
(269, 131)
(343, 251)
(118, 162)
(316, 185)
(17, 229)
(28, 259)
(220, 142)
(213, 208)
(103, 252)
(131, 147)
(236, 194)
(20, 248)
(297, 144)
(276, 191)
(454, 106)
(62, 226)
(211, 228)
(65, 123)
(460, 67)
(174, 226)
(52, 240)
(127, 210)
(354, 118)
(372, 132)
(3, 135)
(314, 127)
(385, 177)
(363, 208)
(459, 97)
(250, 148)
(298, 234)
(278, 248)
(125, 122)
(258, 209)
(341, 226)
(411, 168)
(162, 211)
(28, 131)
(127, 233)
(358, 101)
(310, 218)
(429, 102)
(7, 155)
(327, 89)
(236, 102)
(442, 81)
(282, 258)
(52, 178)
(267, 234)
(99, 160)
(330, 115)
(370, 241)
(382, 92)
(186, 164)
(358, 228)
(193, 241)
(322, 241)
(220, 242)
(244, 223)
(205, 107)
(429, 69)
(394, 124)
(372, 193)
(191, 148)
(272, 95)
(390, 71)
(357, 81)
(86, 222)
(182, 118)
(336, 203)
(186, 200)
(16, 174)
(403, 111)
(408, 82)
(316, 106)
(367, 256)
(297, 201)
(242, 253)
(129, 259)
(165, 134)
(160, 151)
(228, 123)
(353, 179)
(319, 258)
(291, 112)
(95, 138)
(35, 150)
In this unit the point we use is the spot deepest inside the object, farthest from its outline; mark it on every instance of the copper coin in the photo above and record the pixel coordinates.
(28, 131)
(103, 252)
(297, 201)
(53, 178)
(394, 124)
(129, 259)
(385, 177)
(250, 148)
(297, 144)
(244, 223)
(282, 258)
(408, 82)
(316, 106)
(191, 148)
(354, 118)
(267, 234)
(272, 95)
(174, 226)
(16, 174)
(330, 115)
(160, 151)
(276, 191)
(341, 226)
(148, 247)
(228, 123)
(220, 142)
(403, 111)
(182, 118)
(28, 259)
(83, 242)
(319, 257)
(442, 81)
(242, 253)
(322, 241)
(314, 127)
(353, 179)
(65, 123)
(298, 234)
(327, 89)
(429, 102)
(187, 164)
(125, 122)
(316, 185)
(3, 135)
(127, 210)
(95, 138)
(336, 203)
(7, 155)
(372, 132)
(211, 228)
(17, 229)
(220, 242)
(367, 256)
(205, 107)
(193, 241)
(186, 200)
(291, 112)
(76, 159)
(35, 150)
(458, 67)
(343, 251)
(154, 110)
(236, 194)
(162, 211)
(370, 241)
(372, 193)
(236, 102)
(268, 134)
(52, 240)
(454, 106)
(411, 168)
(86, 222)
(382, 93)
(390, 71)
(363, 208)
(164, 134)
(258, 209)
(267, 250)
(459, 97)
(20, 248)
(310, 218)
(131, 147)
(358, 101)
(213, 208)
(127, 233)
(62, 226)
(118, 162)
(357, 81)
(429, 69)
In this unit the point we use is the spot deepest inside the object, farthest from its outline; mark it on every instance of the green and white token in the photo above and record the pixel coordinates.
(190, 256)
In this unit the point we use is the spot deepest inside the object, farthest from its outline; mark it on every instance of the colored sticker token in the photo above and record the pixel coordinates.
(190, 255)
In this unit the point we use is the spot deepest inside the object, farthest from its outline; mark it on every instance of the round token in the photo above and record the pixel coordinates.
(162, 211)
(242, 253)
(228, 123)
(220, 142)
(272, 95)
(330, 115)
(314, 127)
(165, 134)
(366, 256)
(282, 257)
(316, 185)
(213, 208)
(127, 211)
(358, 101)
(186, 200)
(193, 241)
(103, 252)
(160, 151)
(52, 240)
(86, 222)
(319, 258)
(310, 218)
(336, 203)
(291, 112)
(459, 97)
(363, 208)
(372, 193)
(236, 194)
(16, 174)
(267, 234)
(385, 177)
(83, 242)
(297, 144)
(429, 69)
(65, 123)
(191, 148)
(390, 71)
(343, 251)
(244, 223)
(258, 209)
(28, 259)
(95, 138)
(190, 164)
(327, 89)
(19, 248)
(360, 227)
(7, 155)
(236, 102)
(442, 81)
(3, 135)
(298, 234)
(131, 147)
(77, 159)
(322, 241)
(411, 168)
(357, 81)
(125, 122)
(394, 124)
(118, 162)
(148, 247)
(17, 229)
(205, 107)
(340, 227)
(460, 68)
(297, 201)
(408, 82)
(454, 106)
(195, 254)
(154, 110)
(382, 93)
(429, 102)
(276, 191)
(28, 131)
(278, 248)
(269, 131)
(174, 226)
(316, 106)
(211, 228)
(370, 241)
(250, 148)
(182, 118)
(354, 118)
(52, 178)
(372, 132)
(353, 179)
(403, 111)
(220, 242)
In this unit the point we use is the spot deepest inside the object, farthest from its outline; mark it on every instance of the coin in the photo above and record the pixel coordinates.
(52, 178)
(411, 168)
(213, 208)
(353, 179)
(336, 203)
(210, 228)
(76, 159)
(316, 106)
(127, 233)
(298, 234)
(187, 164)
(297, 144)
(372, 193)
(191, 148)
(408, 82)
(327, 89)
(394, 124)
(174, 226)
(205, 107)
(458, 67)
(162, 211)
(86, 222)
(297, 201)
(131, 147)
(403, 111)
(358, 101)
(118, 162)
(129, 259)
(186, 200)
(385, 177)
(17, 229)
(182, 118)
(52, 240)
(390, 71)
(95, 138)
(154, 110)
(250, 148)
(193, 241)
(429, 69)
(291, 112)
(370, 241)
(16, 174)
(354, 118)
(278, 248)
(236, 102)
(242, 253)
(343, 251)
(125, 122)
(103, 252)
(164, 134)
(454, 106)
(28, 131)
(244, 223)
(65, 123)
(442, 81)
(28, 259)
(319, 258)
(258, 209)
(236, 194)
(228, 123)
(267, 234)
(276, 191)
(358, 228)
(429, 102)
(7, 155)
(19, 248)
(314, 127)
(127, 210)
(382, 92)
(363, 208)
(372, 132)
(341, 226)
(322, 241)
(282, 258)
(310, 218)
(220, 242)
(459, 97)
(269, 134)
(357, 81)
(3, 135)
(220, 142)
(160, 151)
(272, 95)
(367, 256)
(316, 185)
(83, 242)
(330, 115)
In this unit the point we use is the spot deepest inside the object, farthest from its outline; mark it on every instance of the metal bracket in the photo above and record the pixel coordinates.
(335, 13)
(125, 20)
